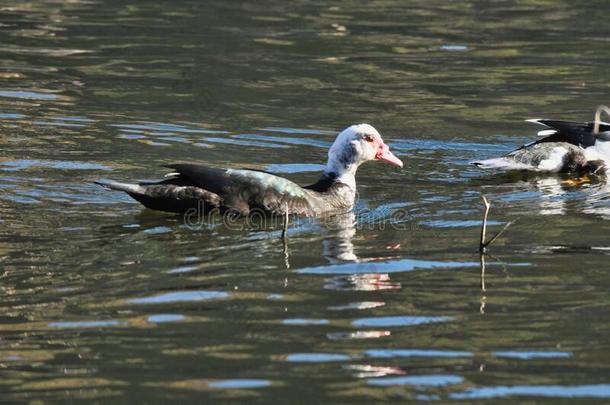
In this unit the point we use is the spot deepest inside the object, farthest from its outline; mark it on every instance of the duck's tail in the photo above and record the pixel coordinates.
(502, 163)
(126, 187)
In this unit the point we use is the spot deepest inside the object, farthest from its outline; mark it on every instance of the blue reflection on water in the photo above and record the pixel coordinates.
(294, 167)
(531, 355)
(287, 140)
(59, 124)
(457, 224)
(317, 357)
(160, 126)
(391, 353)
(11, 116)
(390, 266)
(299, 321)
(232, 141)
(417, 380)
(158, 230)
(558, 391)
(162, 318)
(424, 397)
(454, 47)
(305, 131)
(239, 384)
(83, 324)
(180, 296)
(14, 165)
(31, 95)
(183, 269)
(399, 320)
(429, 144)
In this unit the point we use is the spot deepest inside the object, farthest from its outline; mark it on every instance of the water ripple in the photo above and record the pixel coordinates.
(299, 321)
(29, 95)
(531, 355)
(180, 296)
(417, 380)
(317, 357)
(389, 266)
(22, 164)
(552, 391)
(294, 168)
(239, 384)
(83, 324)
(387, 321)
(392, 353)
(360, 334)
(163, 318)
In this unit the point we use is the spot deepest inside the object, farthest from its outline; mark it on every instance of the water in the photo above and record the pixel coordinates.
(104, 300)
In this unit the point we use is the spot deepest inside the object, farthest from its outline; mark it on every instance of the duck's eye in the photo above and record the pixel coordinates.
(368, 138)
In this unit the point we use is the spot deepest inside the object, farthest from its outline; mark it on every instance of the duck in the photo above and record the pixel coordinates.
(190, 186)
(565, 147)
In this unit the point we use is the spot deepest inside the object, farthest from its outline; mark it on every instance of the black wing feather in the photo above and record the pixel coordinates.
(575, 133)
(208, 178)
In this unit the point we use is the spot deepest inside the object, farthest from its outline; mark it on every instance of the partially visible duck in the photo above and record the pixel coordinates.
(566, 147)
(192, 186)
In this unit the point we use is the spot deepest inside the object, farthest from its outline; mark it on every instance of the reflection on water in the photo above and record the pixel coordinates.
(339, 247)
(102, 300)
(162, 318)
(362, 282)
(361, 334)
(83, 324)
(419, 381)
(398, 320)
(389, 353)
(180, 296)
(239, 384)
(531, 355)
(552, 391)
(367, 371)
(316, 357)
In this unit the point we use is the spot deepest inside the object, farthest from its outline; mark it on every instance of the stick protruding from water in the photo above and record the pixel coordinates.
(482, 243)
(285, 229)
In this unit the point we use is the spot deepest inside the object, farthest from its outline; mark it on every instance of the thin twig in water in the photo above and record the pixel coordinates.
(285, 239)
(482, 243)
(598, 116)
(482, 262)
(286, 254)
(285, 230)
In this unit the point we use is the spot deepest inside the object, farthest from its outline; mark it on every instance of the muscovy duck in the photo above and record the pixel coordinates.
(242, 191)
(566, 147)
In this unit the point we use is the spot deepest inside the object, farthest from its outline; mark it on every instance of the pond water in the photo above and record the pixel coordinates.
(105, 300)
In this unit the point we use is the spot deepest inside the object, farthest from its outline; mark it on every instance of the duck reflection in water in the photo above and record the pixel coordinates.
(338, 246)
(558, 195)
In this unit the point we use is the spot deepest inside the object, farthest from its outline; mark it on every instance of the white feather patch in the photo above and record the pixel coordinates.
(547, 132)
(601, 150)
(554, 162)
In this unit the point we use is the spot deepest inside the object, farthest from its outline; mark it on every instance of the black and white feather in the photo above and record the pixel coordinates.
(565, 147)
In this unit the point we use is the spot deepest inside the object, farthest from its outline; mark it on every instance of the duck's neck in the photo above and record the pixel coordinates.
(338, 184)
(341, 171)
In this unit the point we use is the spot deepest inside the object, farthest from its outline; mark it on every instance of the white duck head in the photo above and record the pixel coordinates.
(355, 145)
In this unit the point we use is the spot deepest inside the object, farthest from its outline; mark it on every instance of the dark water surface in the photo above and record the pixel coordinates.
(104, 300)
